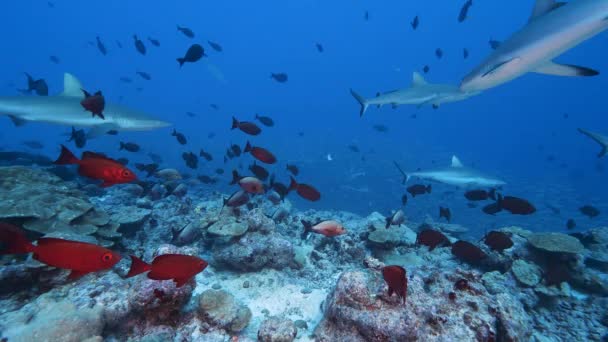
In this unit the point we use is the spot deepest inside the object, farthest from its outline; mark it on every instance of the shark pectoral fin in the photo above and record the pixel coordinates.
(71, 86)
(18, 122)
(553, 68)
(543, 7)
(499, 65)
(97, 131)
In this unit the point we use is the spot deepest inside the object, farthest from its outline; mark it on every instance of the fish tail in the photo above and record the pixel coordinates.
(293, 185)
(405, 176)
(492, 194)
(247, 146)
(66, 157)
(14, 240)
(235, 123)
(137, 266)
(235, 177)
(181, 61)
(122, 146)
(428, 188)
(307, 228)
(174, 133)
(30, 82)
(388, 222)
(361, 101)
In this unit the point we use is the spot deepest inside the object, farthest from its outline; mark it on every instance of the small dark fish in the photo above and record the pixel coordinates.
(566, 115)
(214, 106)
(236, 150)
(432, 239)
(498, 241)
(139, 45)
(293, 169)
(149, 168)
(439, 53)
(206, 179)
(219, 171)
(465, 53)
(186, 31)
(101, 47)
(480, 195)
(570, 224)
(206, 155)
(191, 159)
(37, 145)
(112, 132)
(494, 44)
(259, 171)
(237, 199)
(404, 199)
(229, 153)
(380, 128)
(79, 137)
(265, 120)
(260, 154)
(191, 114)
(123, 161)
(215, 46)
(146, 76)
(396, 280)
(279, 77)
(39, 86)
(155, 158)
(445, 213)
(419, 189)
(246, 126)
(415, 23)
(194, 53)
(119, 44)
(180, 137)
(129, 146)
(426, 69)
(366, 16)
(305, 191)
(464, 11)
(515, 205)
(319, 47)
(589, 211)
(94, 103)
(468, 252)
(154, 42)
(55, 59)
(126, 80)
(353, 148)
(280, 188)
(50, 4)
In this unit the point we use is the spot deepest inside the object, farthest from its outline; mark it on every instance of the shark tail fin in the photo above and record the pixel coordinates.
(405, 175)
(361, 101)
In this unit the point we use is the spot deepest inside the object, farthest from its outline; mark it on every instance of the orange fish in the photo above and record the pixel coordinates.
(180, 268)
(328, 228)
(395, 278)
(79, 257)
(97, 166)
(305, 191)
(251, 185)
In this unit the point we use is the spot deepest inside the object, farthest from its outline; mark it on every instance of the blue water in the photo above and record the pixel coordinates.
(508, 131)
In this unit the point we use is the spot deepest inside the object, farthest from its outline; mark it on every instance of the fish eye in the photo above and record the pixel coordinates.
(106, 257)
(126, 173)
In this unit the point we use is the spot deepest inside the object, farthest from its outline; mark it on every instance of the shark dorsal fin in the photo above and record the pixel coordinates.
(543, 7)
(456, 162)
(418, 80)
(71, 86)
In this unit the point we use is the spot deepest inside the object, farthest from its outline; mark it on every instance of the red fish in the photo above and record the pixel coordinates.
(498, 241)
(395, 278)
(328, 228)
(94, 103)
(97, 166)
(432, 239)
(245, 126)
(468, 252)
(260, 154)
(180, 268)
(305, 191)
(250, 184)
(79, 257)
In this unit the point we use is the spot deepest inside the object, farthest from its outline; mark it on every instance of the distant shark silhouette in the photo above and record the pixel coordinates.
(65, 109)
(553, 28)
(456, 175)
(419, 93)
(600, 139)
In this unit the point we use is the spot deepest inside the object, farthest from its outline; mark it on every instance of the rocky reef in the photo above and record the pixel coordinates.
(267, 281)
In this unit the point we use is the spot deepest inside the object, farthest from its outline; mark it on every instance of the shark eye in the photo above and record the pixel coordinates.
(106, 257)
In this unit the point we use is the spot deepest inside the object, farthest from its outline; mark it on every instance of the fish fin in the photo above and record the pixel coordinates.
(456, 162)
(89, 154)
(499, 65)
(181, 61)
(235, 177)
(597, 138)
(75, 274)
(543, 7)
(555, 69)
(71, 86)
(418, 80)
(18, 122)
(106, 184)
(307, 228)
(100, 130)
(137, 266)
(247, 147)
(293, 184)
(390, 291)
(179, 282)
(85, 93)
(388, 220)
(66, 157)
(362, 102)
(405, 176)
(14, 240)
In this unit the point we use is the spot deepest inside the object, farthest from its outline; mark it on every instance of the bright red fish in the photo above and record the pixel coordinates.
(79, 257)
(395, 278)
(305, 191)
(260, 154)
(94, 103)
(97, 166)
(328, 228)
(180, 268)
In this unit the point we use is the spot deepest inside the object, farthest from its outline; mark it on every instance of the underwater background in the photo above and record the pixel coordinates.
(523, 132)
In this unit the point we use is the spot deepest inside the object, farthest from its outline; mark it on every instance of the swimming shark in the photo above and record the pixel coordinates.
(553, 28)
(65, 109)
(600, 139)
(419, 93)
(456, 175)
